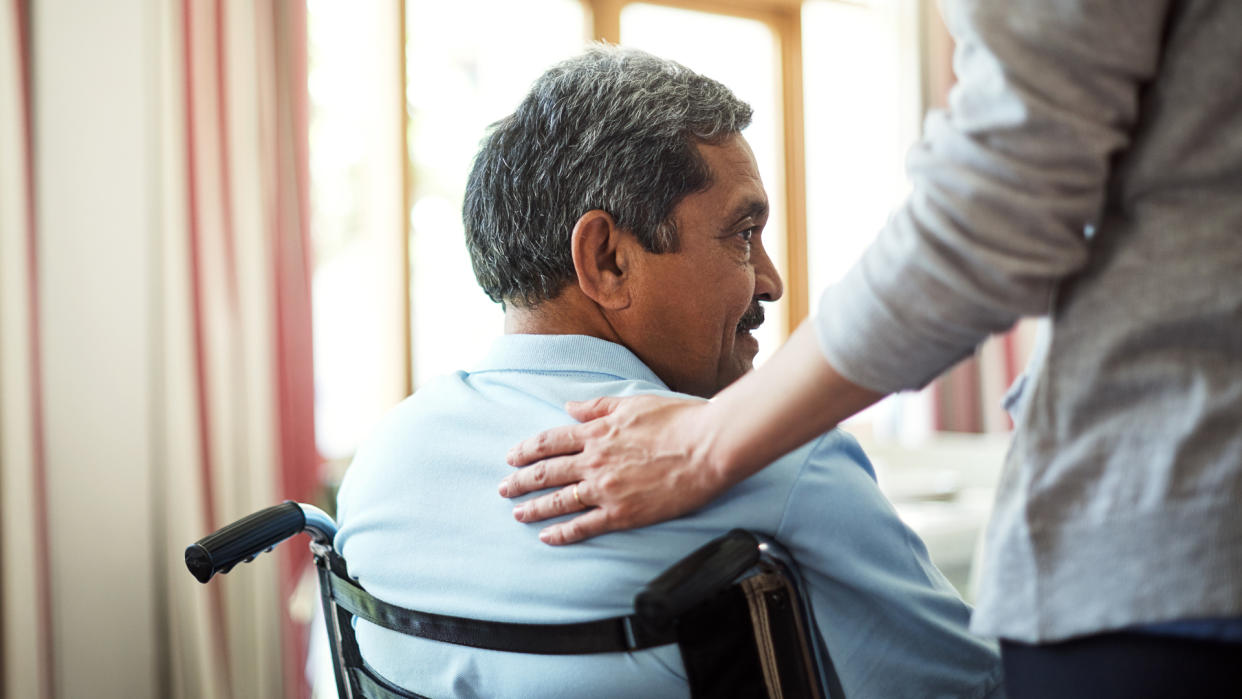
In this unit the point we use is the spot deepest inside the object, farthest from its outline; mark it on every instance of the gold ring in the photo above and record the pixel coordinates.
(580, 503)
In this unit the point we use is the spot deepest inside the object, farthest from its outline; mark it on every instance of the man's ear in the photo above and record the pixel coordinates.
(602, 255)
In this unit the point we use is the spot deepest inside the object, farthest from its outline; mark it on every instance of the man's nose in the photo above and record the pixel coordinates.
(768, 286)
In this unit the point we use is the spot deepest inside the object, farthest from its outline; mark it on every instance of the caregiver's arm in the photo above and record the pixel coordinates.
(678, 454)
(1004, 184)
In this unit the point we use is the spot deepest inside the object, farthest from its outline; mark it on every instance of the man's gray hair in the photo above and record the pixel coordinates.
(613, 129)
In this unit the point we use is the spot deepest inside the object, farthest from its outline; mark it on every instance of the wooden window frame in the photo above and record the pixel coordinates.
(784, 17)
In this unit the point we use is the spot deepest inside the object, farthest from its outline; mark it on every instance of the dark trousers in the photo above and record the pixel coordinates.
(1123, 665)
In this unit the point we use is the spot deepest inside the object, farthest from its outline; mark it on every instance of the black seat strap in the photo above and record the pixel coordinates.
(373, 685)
(614, 635)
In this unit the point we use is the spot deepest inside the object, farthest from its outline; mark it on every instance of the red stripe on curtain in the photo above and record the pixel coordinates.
(1012, 368)
(299, 457)
(196, 282)
(226, 189)
(220, 630)
(957, 399)
(43, 560)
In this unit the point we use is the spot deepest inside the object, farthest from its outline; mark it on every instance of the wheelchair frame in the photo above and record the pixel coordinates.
(736, 602)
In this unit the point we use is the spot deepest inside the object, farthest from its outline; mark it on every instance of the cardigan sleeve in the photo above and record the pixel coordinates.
(1006, 185)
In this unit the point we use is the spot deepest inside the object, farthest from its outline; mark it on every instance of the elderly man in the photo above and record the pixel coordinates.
(618, 215)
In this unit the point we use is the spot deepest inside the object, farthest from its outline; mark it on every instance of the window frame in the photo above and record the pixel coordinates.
(784, 18)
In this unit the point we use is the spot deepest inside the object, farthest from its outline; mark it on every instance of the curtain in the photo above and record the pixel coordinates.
(968, 398)
(155, 366)
(25, 612)
(238, 379)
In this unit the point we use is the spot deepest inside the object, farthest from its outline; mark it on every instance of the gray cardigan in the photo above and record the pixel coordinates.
(1089, 169)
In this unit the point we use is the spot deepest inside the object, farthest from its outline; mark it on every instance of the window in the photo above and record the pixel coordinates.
(753, 75)
(396, 302)
(862, 77)
(862, 96)
(468, 64)
(357, 210)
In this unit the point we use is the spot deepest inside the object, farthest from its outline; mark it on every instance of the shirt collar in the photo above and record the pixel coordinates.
(580, 353)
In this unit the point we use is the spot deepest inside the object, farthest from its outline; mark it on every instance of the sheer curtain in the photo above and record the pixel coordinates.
(155, 363)
(236, 320)
(26, 668)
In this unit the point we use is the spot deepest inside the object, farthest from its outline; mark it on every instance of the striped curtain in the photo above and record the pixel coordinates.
(25, 607)
(969, 397)
(239, 376)
(242, 374)
(210, 342)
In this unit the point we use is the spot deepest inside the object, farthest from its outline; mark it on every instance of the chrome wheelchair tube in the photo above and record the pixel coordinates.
(774, 556)
(319, 525)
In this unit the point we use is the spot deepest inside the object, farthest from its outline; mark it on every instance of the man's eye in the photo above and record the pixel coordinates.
(747, 234)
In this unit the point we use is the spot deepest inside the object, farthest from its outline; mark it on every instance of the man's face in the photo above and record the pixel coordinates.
(698, 305)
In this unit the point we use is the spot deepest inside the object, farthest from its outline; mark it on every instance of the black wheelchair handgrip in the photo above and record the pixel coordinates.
(702, 574)
(243, 540)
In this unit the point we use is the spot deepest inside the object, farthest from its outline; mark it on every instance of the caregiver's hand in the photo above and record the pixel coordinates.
(645, 459)
(661, 469)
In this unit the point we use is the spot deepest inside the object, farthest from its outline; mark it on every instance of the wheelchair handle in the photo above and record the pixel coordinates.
(702, 574)
(254, 534)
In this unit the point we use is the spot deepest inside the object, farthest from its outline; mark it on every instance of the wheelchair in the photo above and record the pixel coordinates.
(735, 607)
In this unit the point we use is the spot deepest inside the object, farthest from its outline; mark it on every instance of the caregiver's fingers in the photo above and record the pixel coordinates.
(549, 473)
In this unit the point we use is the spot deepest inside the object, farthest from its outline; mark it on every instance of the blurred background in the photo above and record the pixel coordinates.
(230, 239)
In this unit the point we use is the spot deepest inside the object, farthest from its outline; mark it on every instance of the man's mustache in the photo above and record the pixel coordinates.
(752, 318)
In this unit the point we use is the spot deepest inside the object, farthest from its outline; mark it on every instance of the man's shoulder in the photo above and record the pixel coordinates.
(832, 466)
(507, 405)
(835, 449)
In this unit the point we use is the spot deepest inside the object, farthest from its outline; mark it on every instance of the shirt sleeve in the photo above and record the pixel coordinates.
(893, 625)
(1004, 184)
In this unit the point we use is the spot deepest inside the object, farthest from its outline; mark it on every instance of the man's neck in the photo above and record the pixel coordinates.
(570, 313)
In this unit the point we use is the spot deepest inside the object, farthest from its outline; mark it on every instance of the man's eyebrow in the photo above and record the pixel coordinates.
(751, 208)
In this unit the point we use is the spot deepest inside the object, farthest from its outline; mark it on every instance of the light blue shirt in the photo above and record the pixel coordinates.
(422, 527)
